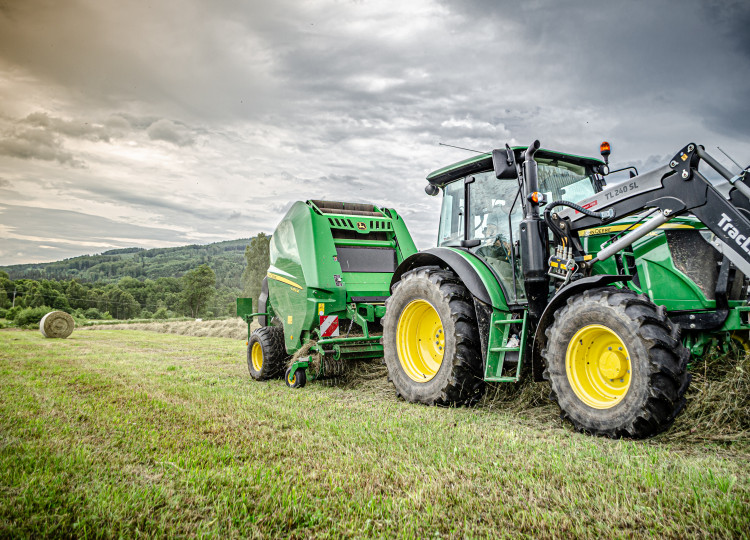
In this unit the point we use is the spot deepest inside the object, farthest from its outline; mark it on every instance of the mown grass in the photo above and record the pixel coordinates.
(123, 433)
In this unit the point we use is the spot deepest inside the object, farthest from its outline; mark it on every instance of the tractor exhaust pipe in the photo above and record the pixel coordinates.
(533, 238)
(531, 179)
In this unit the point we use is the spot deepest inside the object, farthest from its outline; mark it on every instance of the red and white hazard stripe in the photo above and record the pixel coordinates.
(329, 325)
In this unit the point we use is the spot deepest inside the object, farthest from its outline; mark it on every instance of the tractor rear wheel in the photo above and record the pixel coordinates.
(266, 353)
(616, 364)
(431, 341)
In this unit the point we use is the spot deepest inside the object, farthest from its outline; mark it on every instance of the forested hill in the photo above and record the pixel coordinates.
(227, 259)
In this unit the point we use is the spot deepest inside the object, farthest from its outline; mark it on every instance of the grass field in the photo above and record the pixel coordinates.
(120, 433)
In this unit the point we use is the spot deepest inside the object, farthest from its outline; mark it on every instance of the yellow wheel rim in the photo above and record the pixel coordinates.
(740, 340)
(256, 355)
(598, 366)
(293, 379)
(420, 340)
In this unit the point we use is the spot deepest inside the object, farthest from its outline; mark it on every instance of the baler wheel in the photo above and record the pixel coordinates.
(266, 353)
(616, 364)
(431, 339)
(298, 379)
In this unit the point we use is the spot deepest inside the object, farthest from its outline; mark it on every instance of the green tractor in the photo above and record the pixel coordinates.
(603, 290)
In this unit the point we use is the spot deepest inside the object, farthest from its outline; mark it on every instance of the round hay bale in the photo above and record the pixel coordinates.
(56, 324)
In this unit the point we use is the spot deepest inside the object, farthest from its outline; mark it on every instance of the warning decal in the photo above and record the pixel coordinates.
(329, 325)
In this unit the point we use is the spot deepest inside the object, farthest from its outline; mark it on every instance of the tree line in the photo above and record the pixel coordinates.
(199, 292)
(225, 258)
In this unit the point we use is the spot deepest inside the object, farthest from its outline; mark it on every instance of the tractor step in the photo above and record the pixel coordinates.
(500, 355)
(505, 349)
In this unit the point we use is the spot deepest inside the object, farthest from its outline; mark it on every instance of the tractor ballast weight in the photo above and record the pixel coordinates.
(330, 273)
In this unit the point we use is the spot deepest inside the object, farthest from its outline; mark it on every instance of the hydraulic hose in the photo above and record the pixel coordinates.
(599, 215)
(556, 230)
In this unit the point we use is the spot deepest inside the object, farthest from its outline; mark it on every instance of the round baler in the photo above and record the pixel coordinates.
(324, 292)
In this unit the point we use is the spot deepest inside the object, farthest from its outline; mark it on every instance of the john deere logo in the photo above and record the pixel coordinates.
(361, 225)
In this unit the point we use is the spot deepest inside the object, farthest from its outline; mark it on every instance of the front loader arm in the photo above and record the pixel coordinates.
(674, 189)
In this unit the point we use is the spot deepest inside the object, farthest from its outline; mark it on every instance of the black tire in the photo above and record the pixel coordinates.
(298, 379)
(652, 362)
(458, 379)
(269, 341)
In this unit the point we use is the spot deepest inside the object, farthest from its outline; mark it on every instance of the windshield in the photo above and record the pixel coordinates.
(561, 180)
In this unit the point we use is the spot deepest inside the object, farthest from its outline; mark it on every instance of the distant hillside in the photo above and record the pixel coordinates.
(227, 259)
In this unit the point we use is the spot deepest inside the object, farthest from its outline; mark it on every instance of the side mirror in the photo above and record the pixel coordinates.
(504, 163)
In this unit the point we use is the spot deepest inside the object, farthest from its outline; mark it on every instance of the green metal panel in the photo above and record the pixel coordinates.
(366, 284)
(244, 306)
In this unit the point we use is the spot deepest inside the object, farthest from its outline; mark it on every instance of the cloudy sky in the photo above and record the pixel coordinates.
(169, 122)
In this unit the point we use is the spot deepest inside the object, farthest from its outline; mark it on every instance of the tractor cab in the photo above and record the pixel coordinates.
(495, 209)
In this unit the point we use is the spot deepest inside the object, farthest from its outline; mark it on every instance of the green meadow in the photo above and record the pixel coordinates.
(123, 434)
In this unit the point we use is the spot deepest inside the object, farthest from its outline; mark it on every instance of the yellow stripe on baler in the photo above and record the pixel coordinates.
(284, 280)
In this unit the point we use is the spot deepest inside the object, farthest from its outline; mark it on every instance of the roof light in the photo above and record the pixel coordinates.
(605, 151)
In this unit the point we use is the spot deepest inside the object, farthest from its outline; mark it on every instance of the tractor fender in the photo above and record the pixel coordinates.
(445, 257)
(557, 301)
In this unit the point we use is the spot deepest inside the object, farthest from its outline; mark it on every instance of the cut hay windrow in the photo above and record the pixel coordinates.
(228, 328)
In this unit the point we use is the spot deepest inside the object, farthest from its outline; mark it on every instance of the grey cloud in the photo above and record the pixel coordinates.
(118, 122)
(166, 130)
(146, 53)
(69, 226)
(34, 143)
(80, 129)
(151, 201)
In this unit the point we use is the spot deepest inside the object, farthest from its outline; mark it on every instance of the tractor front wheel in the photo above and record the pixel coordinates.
(266, 353)
(431, 341)
(616, 364)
